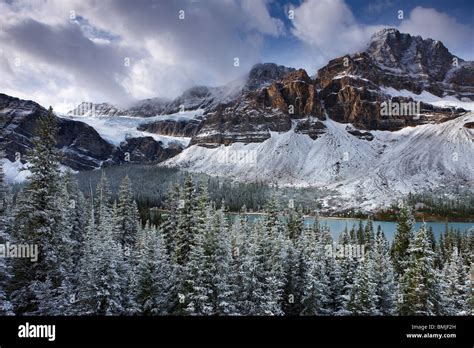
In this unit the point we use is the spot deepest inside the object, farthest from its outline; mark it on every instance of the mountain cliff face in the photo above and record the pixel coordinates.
(80, 145)
(331, 131)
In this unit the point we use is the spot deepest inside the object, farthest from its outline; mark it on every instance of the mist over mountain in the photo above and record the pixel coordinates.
(324, 131)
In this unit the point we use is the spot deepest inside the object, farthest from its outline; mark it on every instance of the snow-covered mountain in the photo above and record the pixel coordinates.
(279, 125)
(194, 98)
(84, 142)
(331, 132)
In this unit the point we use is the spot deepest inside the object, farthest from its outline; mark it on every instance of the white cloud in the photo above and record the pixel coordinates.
(429, 23)
(329, 29)
(166, 54)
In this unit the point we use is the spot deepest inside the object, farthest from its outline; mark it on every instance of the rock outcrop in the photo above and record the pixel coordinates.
(80, 146)
(173, 128)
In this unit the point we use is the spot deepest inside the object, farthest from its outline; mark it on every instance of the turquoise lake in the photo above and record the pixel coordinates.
(388, 227)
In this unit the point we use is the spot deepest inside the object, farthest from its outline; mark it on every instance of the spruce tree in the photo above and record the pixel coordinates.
(39, 220)
(103, 288)
(186, 222)
(383, 276)
(6, 307)
(363, 296)
(315, 283)
(456, 286)
(155, 275)
(418, 284)
(347, 269)
(401, 240)
(128, 217)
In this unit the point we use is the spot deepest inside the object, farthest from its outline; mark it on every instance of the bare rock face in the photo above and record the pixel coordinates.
(81, 147)
(143, 150)
(252, 116)
(246, 120)
(173, 128)
(408, 54)
(311, 127)
(264, 74)
(296, 95)
(350, 85)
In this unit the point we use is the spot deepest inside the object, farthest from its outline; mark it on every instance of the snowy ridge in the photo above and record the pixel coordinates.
(366, 174)
(115, 130)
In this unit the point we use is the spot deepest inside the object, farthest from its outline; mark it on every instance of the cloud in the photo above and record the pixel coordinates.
(85, 42)
(76, 50)
(329, 28)
(429, 23)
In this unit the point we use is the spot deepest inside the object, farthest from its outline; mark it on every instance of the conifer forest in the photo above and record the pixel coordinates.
(97, 255)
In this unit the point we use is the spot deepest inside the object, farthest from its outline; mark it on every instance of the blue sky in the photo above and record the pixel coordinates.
(62, 52)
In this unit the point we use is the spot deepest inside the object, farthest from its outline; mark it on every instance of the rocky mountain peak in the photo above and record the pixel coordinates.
(409, 54)
(265, 73)
(297, 75)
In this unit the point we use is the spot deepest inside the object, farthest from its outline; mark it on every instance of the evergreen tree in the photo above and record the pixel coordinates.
(6, 307)
(347, 269)
(263, 276)
(198, 272)
(456, 286)
(186, 222)
(401, 240)
(418, 284)
(225, 276)
(332, 272)
(369, 235)
(383, 275)
(39, 220)
(170, 224)
(295, 223)
(128, 217)
(103, 286)
(315, 283)
(155, 275)
(363, 296)
(102, 199)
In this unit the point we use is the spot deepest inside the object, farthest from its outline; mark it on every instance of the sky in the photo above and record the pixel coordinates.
(63, 52)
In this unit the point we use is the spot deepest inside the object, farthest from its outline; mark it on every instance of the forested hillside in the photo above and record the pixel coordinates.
(97, 257)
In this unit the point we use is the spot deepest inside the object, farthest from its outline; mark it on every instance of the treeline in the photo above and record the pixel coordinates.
(151, 185)
(460, 207)
(97, 258)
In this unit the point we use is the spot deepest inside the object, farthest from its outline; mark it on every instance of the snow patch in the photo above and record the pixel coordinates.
(116, 129)
(428, 98)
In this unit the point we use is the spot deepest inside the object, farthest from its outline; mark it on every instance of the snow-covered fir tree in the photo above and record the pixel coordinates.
(385, 287)
(456, 286)
(401, 240)
(6, 307)
(294, 268)
(37, 288)
(418, 284)
(155, 274)
(103, 286)
(347, 271)
(363, 297)
(315, 282)
(186, 222)
(127, 213)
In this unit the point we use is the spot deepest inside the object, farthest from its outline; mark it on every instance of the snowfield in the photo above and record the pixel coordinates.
(115, 129)
(366, 174)
(427, 97)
